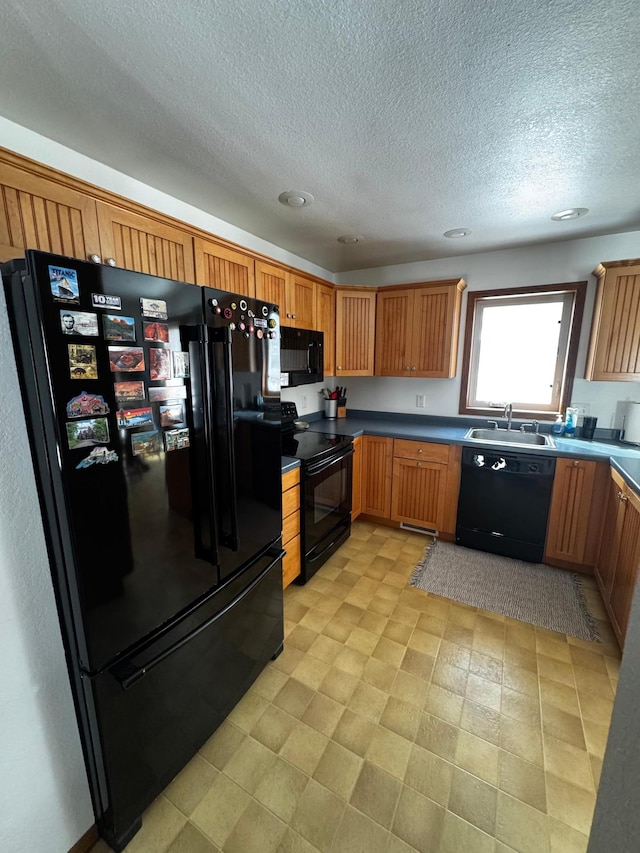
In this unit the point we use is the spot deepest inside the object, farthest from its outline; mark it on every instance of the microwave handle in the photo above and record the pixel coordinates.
(309, 345)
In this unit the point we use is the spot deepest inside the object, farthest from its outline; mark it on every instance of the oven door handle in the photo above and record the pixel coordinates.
(322, 466)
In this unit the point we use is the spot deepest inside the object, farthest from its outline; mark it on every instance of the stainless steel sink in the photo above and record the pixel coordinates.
(510, 436)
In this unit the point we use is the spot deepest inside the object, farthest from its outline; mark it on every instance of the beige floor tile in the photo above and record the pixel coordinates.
(338, 770)
(256, 831)
(379, 674)
(304, 748)
(362, 640)
(418, 821)
(376, 794)
(522, 680)
(273, 728)
(389, 751)
(302, 638)
(401, 717)
(489, 645)
(410, 688)
(431, 624)
(315, 620)
(559, 696)
(424, 642)
(219, 809)
(556, 649)
(437, 736)
(558, 724)
(373, 622)
(269, 683)
(481, 721)
(311, 671)
(484, 692)
(556, 670)
(520, 634)
(351, 661)
(525, 658)
(328, 604)
(222, 744)
(521, 740)
(570, 804)
(407, 615)
(596, 769)
(338, 630)
(161, 824)
(450, 678)
(429, 774)
(589, 681)
(191, 840)
(281, 789)
(521, 707)
(522, 780)
(418, 664)
(478, 757)
(520, 826)
(595, 708)
(444, 704)
(397, 631)
(293, 698)
(248, 711)
(458, 836)
(564, 839)
(595, 735)
(288, 660)
(190, 786)
(368, 701)
(354, 732)
(473, 800)
(338, 685)
(249, 764)
(323, 714)
(486, 667)
(389, 651)
(357, 833)
(588, 659)
(397, 845)
(458, 634)
(318, 815)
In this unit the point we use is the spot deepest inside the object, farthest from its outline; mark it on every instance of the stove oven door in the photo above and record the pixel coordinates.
(326, 496)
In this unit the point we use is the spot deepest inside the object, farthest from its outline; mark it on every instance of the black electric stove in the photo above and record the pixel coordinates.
(325, 489)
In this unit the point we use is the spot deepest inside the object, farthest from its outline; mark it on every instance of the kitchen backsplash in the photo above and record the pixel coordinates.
(307, 397)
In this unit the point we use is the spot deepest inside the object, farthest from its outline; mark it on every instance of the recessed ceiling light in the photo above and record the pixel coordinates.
(457, 232)
(348, 239)
(571, 213)
(296, 198)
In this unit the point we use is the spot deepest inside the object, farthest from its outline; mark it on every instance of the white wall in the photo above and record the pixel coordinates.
(548, 264)
(44, 796)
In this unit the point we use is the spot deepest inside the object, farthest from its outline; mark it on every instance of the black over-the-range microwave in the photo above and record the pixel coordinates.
(301, 356)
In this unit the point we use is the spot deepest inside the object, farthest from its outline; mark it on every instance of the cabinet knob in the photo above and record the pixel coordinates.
(95, 259)
(420, 450)
(111, 262)
(293, 317)
(418, 464)
(622, 496)
(338, 367)
(576, 463)
(406, 367)
(413, 368)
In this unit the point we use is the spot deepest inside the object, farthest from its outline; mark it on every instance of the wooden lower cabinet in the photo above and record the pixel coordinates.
(619, 559)
(356, 490)
(291, 525)
(377, 469)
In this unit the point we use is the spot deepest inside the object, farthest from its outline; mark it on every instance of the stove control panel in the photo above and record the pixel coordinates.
(288, 412)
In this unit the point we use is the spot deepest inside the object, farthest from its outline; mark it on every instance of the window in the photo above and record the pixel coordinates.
(520, 347)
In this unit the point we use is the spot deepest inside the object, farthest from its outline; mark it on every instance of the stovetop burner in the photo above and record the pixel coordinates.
(305, 444)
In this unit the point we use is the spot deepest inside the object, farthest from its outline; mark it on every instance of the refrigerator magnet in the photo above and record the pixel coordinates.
(155, 331)
(155, 308)
(118, 328)
(98, 456)
(82, 361)
(176, 392)
(64, 285)
(126, 391)
(101, 300)
(144, 443)
(126, 359)
(159, 363)
(171, 414)
(176, 439)
(86, 406)
(129, 418)
(180, 365)
(87, 433)
(79, 323)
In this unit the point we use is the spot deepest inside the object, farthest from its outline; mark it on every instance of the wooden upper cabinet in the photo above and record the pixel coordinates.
(394, 315)
(272, 284)
(39, 214)
(355, 331)
(326, 322)
(301, 302)
(223, 268)
(614, 350)
(144, 244)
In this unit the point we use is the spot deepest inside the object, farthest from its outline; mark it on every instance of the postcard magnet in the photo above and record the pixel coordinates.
(82, 361)
(101, 300)
(143, 443)
(159, 363)
(79, 323)
(177, 392)
(118, 328)
(126, 359)
(156, 308)
(64, 285)
(87, 433)
(155, 331)
(86, 406)
(176, 439)
(98, 456)
(126, 391)
(180, 365)
(171, 414)
(129, 418)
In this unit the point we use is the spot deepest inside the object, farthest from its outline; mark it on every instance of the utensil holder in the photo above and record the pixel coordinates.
(330, 408)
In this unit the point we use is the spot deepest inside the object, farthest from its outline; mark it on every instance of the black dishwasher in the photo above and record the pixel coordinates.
(504, 502)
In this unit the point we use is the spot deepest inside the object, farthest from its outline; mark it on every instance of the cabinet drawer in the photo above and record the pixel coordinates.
(291, 478)
(290, 528)
(291, 562)
(290, 501)
(423, 450)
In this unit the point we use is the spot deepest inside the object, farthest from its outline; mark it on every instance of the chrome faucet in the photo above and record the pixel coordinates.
(508, 413)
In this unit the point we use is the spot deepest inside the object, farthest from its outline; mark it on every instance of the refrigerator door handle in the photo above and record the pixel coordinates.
(128, 673)
(222, 336)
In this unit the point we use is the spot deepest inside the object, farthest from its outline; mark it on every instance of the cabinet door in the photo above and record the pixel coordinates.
(570, 510)
(326, 322)
(356, 498)
(434, 331)
(626, 572)
(419, 492)
(271, 286)
(394, 322)
(40, 214)
(377, 461)
(612, 531)
(355, 331)
(224, 268)
(615, 335)
(301, 301)
(143, 244)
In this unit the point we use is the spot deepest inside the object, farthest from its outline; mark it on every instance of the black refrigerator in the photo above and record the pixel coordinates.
(153, 409)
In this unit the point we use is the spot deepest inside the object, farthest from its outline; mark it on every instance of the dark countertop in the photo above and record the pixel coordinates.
(289, 463)
(624, 458)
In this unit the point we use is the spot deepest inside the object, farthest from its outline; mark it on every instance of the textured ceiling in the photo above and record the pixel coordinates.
(404, 118)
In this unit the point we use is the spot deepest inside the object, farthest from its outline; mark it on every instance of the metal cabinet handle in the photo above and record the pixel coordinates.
(95, 259)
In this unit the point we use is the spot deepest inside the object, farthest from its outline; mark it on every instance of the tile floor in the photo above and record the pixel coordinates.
(397, 721)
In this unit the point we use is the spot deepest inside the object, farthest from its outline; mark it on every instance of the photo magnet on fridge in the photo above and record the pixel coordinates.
(98, 456)
(118, 328)
(126, 391)
(86, 405)
(101, 300)
(171, 414)
(82, 361)
(156, 332)
(79, 323)
(156, 308)
(129, 418)
(176, 392)
(143, 443)
(87, 433)
(126, 359)
(180, 365)
(159, 363)
(64, 285)
(176, 439)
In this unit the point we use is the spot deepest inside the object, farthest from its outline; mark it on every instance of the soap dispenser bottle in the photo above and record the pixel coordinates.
(570, 422)
(558, 426)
